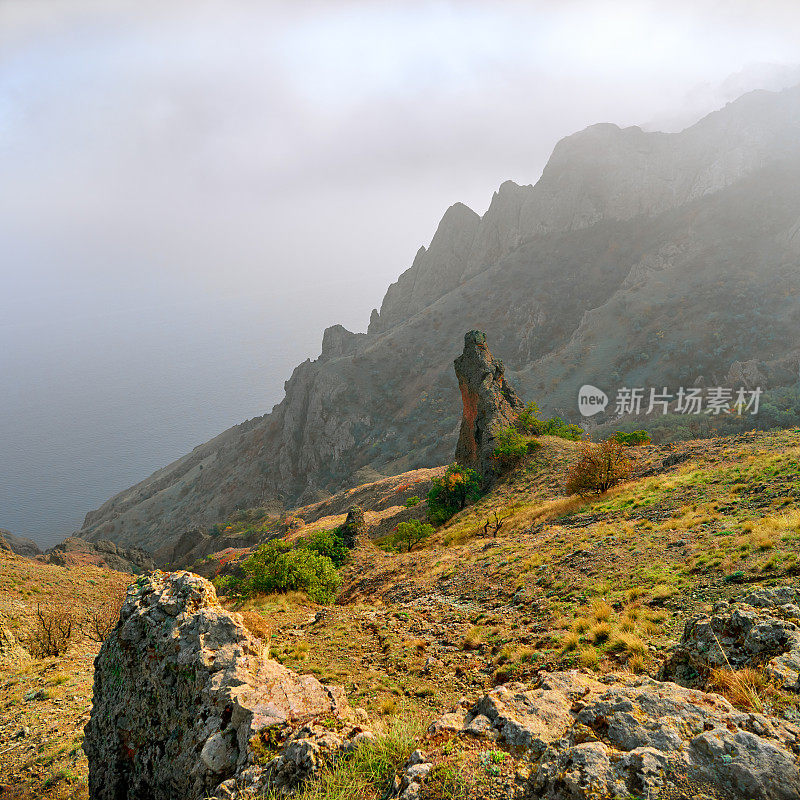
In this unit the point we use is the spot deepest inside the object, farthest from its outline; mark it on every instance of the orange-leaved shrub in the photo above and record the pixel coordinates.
(600, 466)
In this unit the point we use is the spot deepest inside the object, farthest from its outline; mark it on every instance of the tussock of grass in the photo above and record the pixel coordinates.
(473, 639)
(742, 687)
(588, 657)
(600, 633)
(662, 591)
(569, 642)
(601, 611)
(637, 664)
(627, 643)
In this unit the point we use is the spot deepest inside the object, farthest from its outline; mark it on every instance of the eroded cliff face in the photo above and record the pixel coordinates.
(637, 259)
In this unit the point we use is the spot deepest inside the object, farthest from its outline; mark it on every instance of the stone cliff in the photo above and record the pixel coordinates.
(637, 259)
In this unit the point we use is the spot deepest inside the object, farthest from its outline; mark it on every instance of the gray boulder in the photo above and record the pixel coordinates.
(636, 737)
(187, 704)
(761, 630)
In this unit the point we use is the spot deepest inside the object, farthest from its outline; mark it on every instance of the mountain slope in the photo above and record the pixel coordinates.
(637, 259)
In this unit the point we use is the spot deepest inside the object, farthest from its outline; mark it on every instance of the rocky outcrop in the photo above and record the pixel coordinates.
(188, 705)
(579, 738)
(20, 545)
(600, 274)
(761, 630)
(354, 527)
(102, 553)
(489, 404)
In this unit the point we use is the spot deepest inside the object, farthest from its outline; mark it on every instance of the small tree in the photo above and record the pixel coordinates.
(326, 543)
(493, 524)
(101, 619)
(600, 467)
(451, 492)
(410, 534)
(275, 569)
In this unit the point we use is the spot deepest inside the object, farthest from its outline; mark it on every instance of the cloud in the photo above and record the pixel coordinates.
(236, 175)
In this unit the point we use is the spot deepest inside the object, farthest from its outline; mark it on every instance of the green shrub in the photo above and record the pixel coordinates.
(555, 426)
(511, 446)
(326, 543)
(413, 501)
(407, 535)
(528, 420)
(632, 439)
(451, 493)
(273, 568)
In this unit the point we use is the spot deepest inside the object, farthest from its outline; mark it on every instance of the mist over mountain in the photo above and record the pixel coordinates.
(638, 258)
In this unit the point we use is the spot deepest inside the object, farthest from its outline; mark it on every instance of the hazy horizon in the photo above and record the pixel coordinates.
(193, 192)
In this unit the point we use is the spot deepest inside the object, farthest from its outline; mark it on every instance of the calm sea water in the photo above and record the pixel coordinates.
(91, 404)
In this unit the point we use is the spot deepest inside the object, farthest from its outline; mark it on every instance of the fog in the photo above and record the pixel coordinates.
(191, 191)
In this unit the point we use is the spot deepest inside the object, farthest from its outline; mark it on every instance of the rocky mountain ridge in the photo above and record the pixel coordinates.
(643, 258)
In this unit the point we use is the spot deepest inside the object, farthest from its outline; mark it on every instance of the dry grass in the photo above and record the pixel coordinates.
(588, 657)
(569, 642)
(473, 639)
(662, 591)
(600, 633)
(601, 611)
(626, 643)
(637, 664)
(542, 512)
(744, 688)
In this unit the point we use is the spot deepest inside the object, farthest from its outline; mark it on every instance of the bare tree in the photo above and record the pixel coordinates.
(495, 525)
(101, 619)
(52, 632)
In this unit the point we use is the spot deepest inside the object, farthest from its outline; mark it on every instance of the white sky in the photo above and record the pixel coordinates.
(236, 175)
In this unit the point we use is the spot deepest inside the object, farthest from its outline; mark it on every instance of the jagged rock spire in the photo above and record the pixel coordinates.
(489, 404)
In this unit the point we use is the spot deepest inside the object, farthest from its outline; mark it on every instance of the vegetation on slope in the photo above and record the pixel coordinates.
(599, 583)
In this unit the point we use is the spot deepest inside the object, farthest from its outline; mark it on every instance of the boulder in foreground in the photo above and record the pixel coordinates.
(187, 704)
(580, 738)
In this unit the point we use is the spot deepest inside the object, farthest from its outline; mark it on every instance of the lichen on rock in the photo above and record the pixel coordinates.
(760, 630)
(185, 697)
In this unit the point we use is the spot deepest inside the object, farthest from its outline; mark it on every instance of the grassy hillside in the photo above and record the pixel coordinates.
(45, 702)
(598, 583)
(601, 584)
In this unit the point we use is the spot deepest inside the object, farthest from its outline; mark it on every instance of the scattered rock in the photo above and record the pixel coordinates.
(188, 706)
(408, 783)
(489, 403)
(638, 737)
(761, 630)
